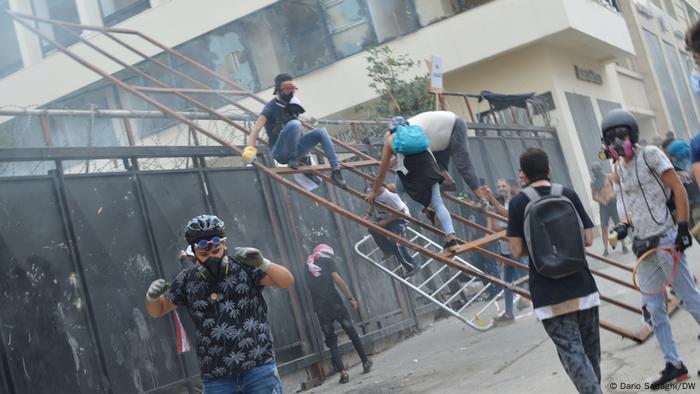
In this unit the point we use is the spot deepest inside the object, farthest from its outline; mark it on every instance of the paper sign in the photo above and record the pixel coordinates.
(305, 182)
(436, 73)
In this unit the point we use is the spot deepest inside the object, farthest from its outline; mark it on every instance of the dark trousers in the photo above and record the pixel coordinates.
(338, 313)
(577, 338)
(390, 247)
(458, 150)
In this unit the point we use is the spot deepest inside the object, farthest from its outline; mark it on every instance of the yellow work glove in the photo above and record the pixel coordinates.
(249, 154)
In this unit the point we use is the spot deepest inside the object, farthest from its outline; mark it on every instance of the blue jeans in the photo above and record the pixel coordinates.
(390, 247)
(686, 290)
(293, 143)
(436, 203)
(510, 275)
(260, 380)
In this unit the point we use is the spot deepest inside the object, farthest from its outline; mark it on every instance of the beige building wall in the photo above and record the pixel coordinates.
(541, 68)
(668, 20)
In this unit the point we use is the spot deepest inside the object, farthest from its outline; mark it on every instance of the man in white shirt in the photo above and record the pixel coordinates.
(448, 139)
(648, 181)
(396, 225)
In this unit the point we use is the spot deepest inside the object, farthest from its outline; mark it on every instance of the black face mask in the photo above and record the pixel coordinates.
(213, 265)
(286, 97)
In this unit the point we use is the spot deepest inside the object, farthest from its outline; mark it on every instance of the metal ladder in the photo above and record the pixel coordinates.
(435, 282)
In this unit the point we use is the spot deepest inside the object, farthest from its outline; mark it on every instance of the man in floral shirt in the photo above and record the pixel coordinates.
(223, 294)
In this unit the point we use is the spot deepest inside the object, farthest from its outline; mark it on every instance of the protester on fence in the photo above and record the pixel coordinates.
(322, 281)
(286, 138)
(393, 223)
(647, 181)
(564, 293)
(448, 139)
(500, 204)
(223, 295)
(418, 173)
(604, 194)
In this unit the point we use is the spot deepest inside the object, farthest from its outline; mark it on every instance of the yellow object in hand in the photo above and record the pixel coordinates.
(249, 154)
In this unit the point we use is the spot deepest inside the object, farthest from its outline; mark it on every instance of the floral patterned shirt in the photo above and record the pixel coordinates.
(230, 314)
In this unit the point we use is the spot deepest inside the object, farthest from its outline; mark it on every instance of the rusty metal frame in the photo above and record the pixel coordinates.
(138, 91)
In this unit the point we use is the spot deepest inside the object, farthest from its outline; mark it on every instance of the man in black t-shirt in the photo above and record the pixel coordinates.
(286, 138)
(568, 306)
(322, 279)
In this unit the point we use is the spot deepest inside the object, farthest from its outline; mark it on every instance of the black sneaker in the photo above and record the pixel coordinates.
(337, 177)
(367, 366)
(503, 319)
(344, 377)
(451, 245)
(670, 374)
(294, 164)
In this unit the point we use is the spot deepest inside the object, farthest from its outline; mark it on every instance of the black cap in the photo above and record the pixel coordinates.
(279, 79)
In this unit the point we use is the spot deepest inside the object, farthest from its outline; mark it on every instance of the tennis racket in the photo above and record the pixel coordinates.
(656, 269)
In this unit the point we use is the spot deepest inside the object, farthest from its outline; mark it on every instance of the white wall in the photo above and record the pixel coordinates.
(465, 39)
(541, 68)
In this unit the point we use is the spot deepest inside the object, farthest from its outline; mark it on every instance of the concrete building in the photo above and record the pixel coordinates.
(655, 83)
(582, 56)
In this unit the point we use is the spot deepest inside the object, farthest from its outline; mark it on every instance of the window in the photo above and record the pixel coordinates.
(679, 77)
(224, 50)
(688, 65)
(586, 124)
(84, 131)
(115, 11)
(305, 31)
(430, 11)
(348, 26)
(693, 15)
(664, 76)
(268, 46)
(670, 8)
(11, 59)
(62, 10)
(392, 18)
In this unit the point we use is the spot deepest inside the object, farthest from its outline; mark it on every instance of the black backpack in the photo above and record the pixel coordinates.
(554, 233)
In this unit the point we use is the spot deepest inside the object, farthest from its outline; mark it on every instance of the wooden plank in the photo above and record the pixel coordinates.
(477, 243)
(621, 331)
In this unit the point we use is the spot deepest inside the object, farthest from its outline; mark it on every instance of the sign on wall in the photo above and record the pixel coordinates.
(588, 75)
(436, 74)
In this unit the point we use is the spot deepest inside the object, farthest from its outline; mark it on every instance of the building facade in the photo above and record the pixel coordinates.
(584, 56)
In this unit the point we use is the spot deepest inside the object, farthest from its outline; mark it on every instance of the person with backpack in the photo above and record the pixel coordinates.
(418, 172)
(286, 138)
(650, 190)
(448, 139)
(322, 281)
(548, 223)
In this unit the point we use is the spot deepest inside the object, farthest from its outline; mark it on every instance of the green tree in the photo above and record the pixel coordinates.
(396, 96)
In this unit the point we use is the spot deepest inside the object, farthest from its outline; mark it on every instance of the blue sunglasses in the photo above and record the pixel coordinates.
(203, 244)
